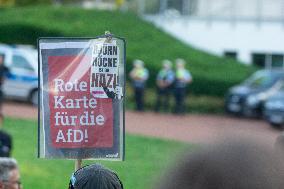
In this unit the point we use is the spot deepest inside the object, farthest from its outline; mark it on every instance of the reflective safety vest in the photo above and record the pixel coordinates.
(141, 73)
(181, 74)
(119, 3)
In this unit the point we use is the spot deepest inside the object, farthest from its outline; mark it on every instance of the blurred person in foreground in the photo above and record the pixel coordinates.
(232, 164)
(164, 81)
(182, 79)
(95, 177)
(9, 174)
(3, 72)
(139, 75)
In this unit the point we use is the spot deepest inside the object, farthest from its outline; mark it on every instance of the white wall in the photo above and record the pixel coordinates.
(244, 37)
(267, 9)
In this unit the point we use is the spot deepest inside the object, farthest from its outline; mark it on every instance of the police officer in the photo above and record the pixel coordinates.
(182, 79)
(164, 81)
(139, 75)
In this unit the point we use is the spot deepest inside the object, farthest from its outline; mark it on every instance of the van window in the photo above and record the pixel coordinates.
(21, 62)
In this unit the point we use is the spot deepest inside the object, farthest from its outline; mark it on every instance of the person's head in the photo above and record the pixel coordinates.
(167, 64)
(9, 174)
(180, 63)
(138, 63)
(95, 177)
(237, 164)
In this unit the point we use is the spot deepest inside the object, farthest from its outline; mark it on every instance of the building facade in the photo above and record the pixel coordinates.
(250, 31)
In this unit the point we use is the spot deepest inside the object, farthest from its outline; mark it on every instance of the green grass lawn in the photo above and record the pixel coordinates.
(146, 159)
(212, 75)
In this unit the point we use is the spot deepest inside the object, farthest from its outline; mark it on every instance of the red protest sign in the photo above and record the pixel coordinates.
(82, 87)
(77, 119)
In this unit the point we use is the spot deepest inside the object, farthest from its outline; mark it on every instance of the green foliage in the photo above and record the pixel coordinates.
(194, 103)
(212, 75)
(31, 2)
(146, 159)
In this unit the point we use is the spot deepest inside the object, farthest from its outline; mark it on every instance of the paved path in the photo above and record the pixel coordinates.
(189, 128)
(197, 128)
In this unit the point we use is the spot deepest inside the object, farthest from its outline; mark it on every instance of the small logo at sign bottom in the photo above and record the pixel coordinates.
(112, 155)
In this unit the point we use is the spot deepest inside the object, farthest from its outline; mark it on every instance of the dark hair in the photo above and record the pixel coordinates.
(95, 177)
(235, 164)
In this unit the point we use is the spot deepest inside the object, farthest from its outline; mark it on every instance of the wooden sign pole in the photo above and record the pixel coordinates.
(78, 164)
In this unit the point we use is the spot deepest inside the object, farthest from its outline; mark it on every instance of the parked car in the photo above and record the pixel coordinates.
(274, 109)
(21, 82)
(248, 98)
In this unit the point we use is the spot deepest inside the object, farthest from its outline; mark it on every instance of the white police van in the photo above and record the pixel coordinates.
(21, 81)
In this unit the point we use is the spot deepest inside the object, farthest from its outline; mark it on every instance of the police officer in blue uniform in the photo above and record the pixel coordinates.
(139, 75)
(164, 81)
(182, 79)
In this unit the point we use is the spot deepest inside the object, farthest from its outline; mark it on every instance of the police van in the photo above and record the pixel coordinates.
(21, 82)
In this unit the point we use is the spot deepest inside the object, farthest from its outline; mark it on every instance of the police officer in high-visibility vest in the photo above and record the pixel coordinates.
(164, 81)
(119, 3)
(139, 75)
(182, 79)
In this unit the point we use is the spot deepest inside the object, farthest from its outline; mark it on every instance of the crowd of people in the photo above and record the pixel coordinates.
(169, 82)
(233, 163)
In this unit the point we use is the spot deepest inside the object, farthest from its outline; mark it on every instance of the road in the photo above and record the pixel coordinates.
(197, 129)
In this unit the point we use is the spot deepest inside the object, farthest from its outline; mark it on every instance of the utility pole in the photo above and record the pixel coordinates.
(209, 13)
(259, 9)
(268, 61)
(192, 7)
(282, 15)
(233, 9)
(185, 7)
(141, 7)
(163, 6)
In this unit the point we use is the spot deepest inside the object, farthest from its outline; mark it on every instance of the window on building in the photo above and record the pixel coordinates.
(231, 54)
(268, 60)
(259, 59)
(277, 60)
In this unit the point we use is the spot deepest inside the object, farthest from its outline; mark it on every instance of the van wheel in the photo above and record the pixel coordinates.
(34, 97)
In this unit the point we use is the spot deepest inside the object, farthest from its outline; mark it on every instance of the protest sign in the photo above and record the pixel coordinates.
(81, 98)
